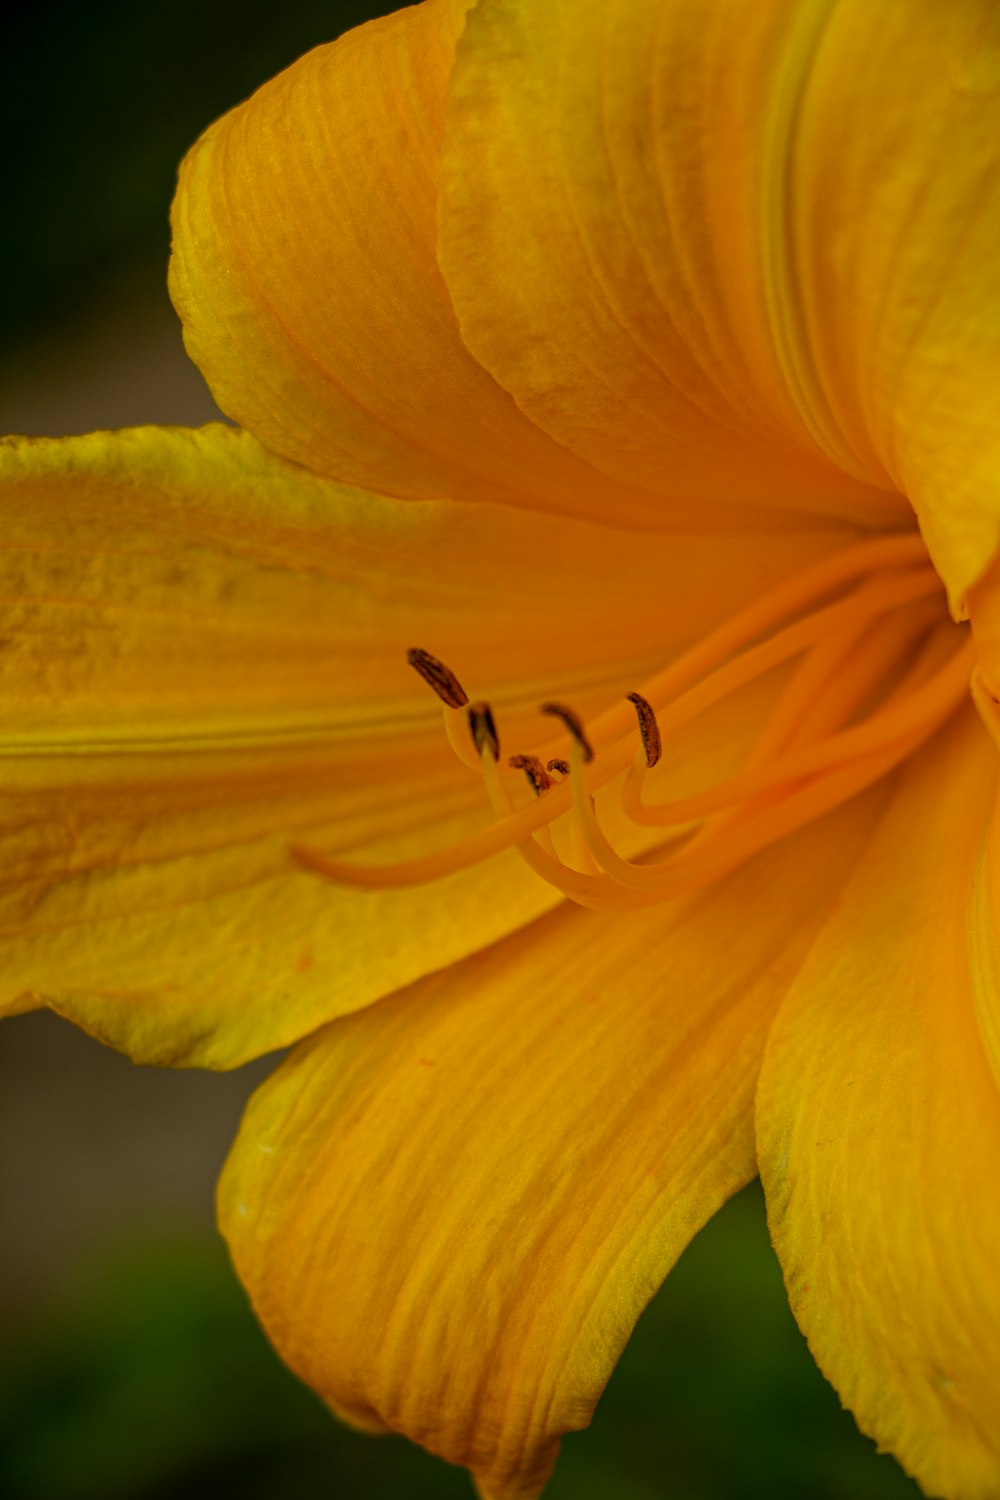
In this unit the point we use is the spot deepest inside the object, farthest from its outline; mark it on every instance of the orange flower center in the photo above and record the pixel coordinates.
(876, 669)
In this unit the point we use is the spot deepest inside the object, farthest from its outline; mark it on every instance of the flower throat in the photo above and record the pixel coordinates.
(864, 623)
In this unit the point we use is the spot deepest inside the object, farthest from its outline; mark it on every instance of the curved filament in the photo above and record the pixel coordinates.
(874, 675)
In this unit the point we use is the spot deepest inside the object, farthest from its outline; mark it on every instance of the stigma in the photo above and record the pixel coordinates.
(872, 667)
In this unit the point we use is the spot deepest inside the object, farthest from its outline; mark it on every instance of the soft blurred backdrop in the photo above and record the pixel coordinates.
(131, 1368)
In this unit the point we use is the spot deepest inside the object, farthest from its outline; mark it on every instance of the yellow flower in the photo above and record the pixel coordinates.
(648, 329)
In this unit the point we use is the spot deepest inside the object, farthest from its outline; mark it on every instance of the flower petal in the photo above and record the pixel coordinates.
(304, 270)
(721, 248)
(984, 615)
(894, 223)
(450, 1209)
(879, 1134)
(204, 663)
(606, 180)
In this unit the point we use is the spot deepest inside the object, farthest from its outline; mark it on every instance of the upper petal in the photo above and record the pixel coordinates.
(305, 274)
(894, 227)
(204, 663)
(740, 248)
(450, 1209)
(879, 1132)
(608, 175)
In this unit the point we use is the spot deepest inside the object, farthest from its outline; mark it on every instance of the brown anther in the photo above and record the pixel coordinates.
(534, 770)
(483, 729)
(573, 724)
(648, 728)
(441, 678)
(562, 766)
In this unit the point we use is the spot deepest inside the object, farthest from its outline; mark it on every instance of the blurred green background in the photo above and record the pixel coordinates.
(131, 1368)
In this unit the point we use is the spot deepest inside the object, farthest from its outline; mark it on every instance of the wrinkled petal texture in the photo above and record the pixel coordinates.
(204, 663)
(304, 271)
(879, 1131)
(449, 1209)
(742, 245)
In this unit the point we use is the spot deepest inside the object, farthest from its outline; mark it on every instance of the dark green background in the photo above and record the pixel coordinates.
(144, 1376)
(147, 1379)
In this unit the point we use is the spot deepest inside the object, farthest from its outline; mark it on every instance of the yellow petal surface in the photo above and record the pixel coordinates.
(204, 663)
(305, 274)
(739, 248)
(894, 216)
(879, 1132)
(450, 1209)
(984, 950)
(602, 238)
(984, 616)
(984, 920)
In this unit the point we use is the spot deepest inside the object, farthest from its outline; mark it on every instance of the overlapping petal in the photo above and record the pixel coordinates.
(449, 1209)
(879, 1132)
(204, 662)
(712, 249)
(304, 270)
(897, 261)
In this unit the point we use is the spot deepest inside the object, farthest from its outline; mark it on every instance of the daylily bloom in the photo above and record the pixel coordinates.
(581, 350)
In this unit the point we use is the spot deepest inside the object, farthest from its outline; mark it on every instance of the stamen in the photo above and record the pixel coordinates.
(456, 730)
(649, 730)
(534, 770)
(483, 729)
(441, 678)
(540, 782)
(874, 676)
(453, 697)
(594, 891)
(688, 687)
(922, 712)
(572, 722)
(848, 763)
(888, 590)
(833, 679)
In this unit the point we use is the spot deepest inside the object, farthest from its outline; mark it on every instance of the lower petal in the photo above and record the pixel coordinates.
(450, 1209)
(879, 1134)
